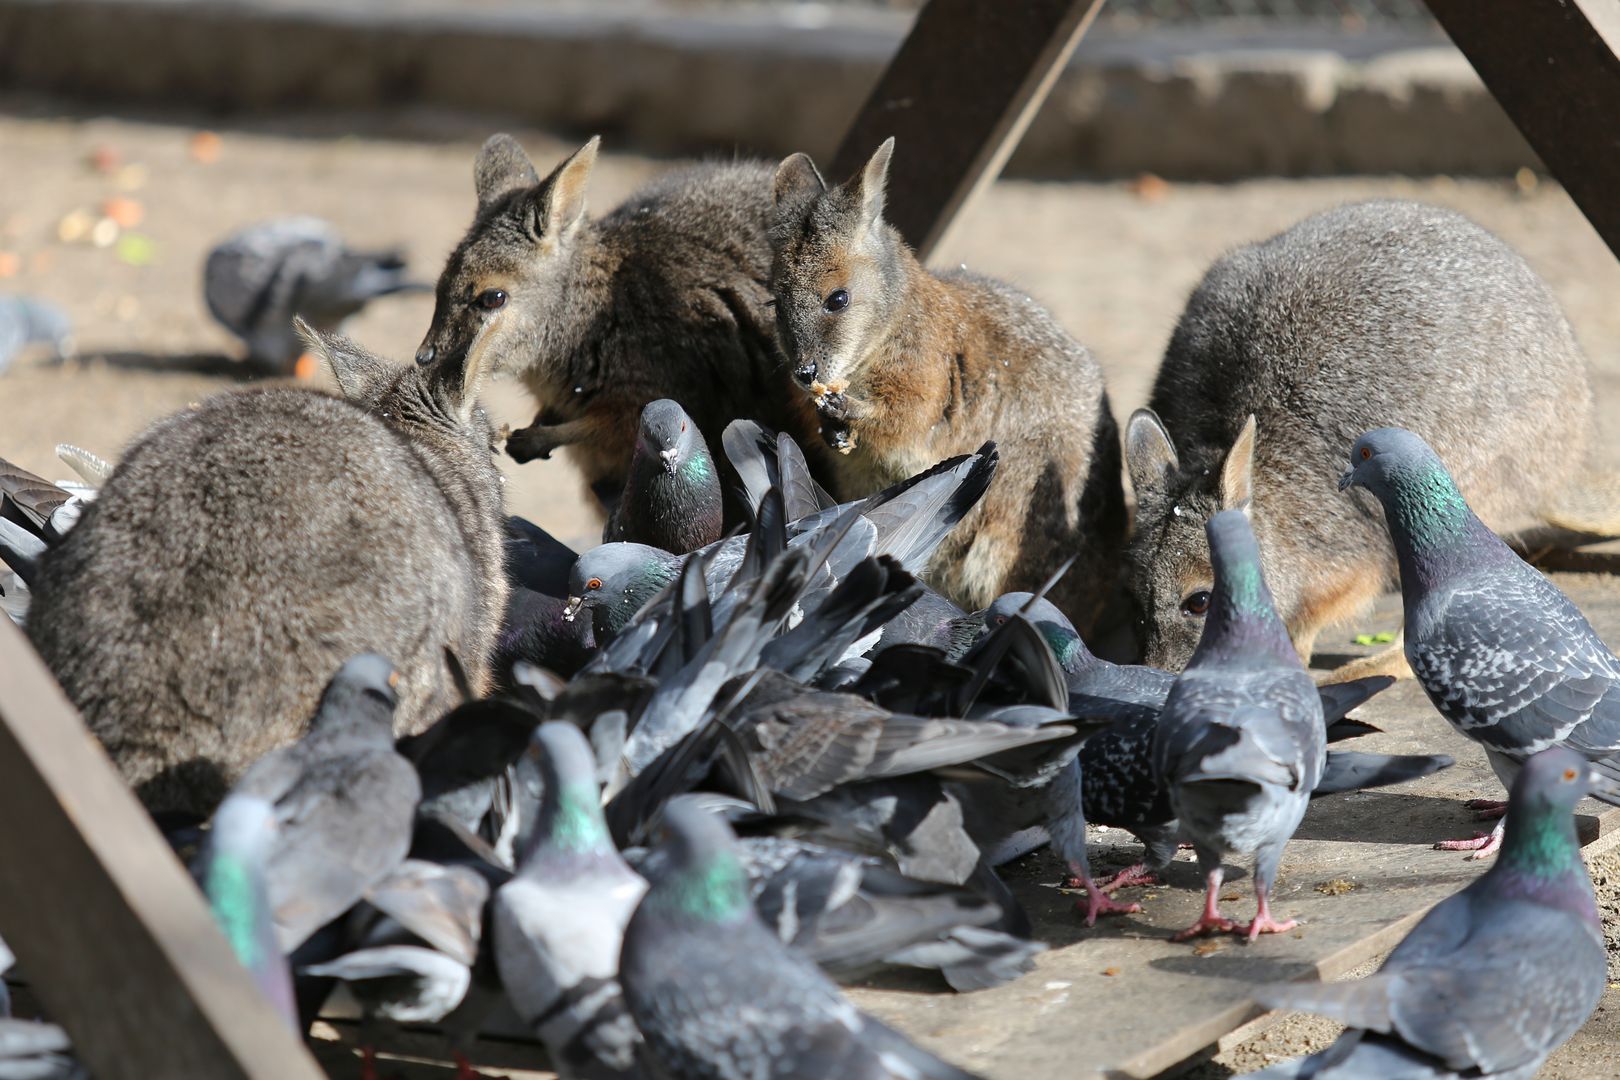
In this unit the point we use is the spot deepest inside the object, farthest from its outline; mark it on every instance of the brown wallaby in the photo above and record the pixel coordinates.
(907, 367)
(242, 550)
(665, 297)
(1379, 314)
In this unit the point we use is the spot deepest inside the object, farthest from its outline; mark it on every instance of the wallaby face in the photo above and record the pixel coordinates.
(512, 269)
(837, 274)
(1173, 589)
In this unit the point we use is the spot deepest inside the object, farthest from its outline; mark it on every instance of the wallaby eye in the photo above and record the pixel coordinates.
(491, 299)
(1196, 604)
(594, 583)
(836, 301)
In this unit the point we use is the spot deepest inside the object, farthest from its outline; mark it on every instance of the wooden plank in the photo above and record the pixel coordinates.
(1122, 1000)
(113, 937)
(957, 97)
(1554, 66)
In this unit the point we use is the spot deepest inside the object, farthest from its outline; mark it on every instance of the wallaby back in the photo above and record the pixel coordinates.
(242, 550)
(665, 297)
(907, 368)
(1371, 315)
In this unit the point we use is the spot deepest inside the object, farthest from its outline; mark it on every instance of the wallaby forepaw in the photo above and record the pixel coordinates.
(1391, 662)
(527, 444)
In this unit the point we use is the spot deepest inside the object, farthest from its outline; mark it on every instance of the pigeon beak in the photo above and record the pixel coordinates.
(1347, 480)
(669, 459)
(571, 609)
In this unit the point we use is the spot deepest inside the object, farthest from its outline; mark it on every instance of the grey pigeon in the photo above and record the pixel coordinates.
(344, 801)
(719, 997)
(535, 629)
(35, 513)
(1240, 743)
(27, 321)
(1503, 654)
(559, 923)
(258, 279)
(672, 496)
(35, 1050)
(1494, 978)
(235, 878)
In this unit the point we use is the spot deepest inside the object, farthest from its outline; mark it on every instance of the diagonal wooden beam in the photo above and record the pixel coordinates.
(113, 936)
(1554, 66)
(957, 97)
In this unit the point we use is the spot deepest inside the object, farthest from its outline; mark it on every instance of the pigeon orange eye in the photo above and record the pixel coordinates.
(1366, 453)
(1569, 774)
(1196, 604)
(594, 583)
(491, 299)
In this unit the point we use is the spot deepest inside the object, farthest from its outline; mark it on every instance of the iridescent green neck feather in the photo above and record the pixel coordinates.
(697, 469)
(235, 902)
(1428, 506)
(576, 820)
(711, 889)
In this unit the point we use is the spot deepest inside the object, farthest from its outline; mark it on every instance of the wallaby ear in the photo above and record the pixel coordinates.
(873, 181)
(1150, 456)
(797, 181)
(357, 372)
(561, 203)
(1237, 474)
(457, 387)
(502, 166)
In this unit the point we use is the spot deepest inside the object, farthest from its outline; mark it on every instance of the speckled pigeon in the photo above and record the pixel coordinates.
(256, 280)
(1503, 654)
(1240, 743)
(1493, 979)
(717, 995)
(344, 801)
(672, 496)
(559, 923)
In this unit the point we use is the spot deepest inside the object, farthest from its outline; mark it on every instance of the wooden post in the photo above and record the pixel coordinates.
(114, 938)
(957, 97)
(1553, 67)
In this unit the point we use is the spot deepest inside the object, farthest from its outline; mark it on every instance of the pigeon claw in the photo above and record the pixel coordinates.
(1487, 809)
(1128, 877)
(1265, 924)
(1482, 845)
(1206, 925)
(1098, 903)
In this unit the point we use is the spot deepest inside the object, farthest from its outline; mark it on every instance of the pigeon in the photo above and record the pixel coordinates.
(853, 915)
(907, 521)
(1492, 979)
(1241, 742)
(672, 495)
(35, 1050)
(534, 629)
(717, 995)
(559, 923)
(235, 880)
(26, 321)
(258, 279)
(1503, 654)
(344, 801)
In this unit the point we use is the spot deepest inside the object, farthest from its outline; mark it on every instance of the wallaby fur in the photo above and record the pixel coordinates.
(908, 367)
(242, 550)
(665, 297)
(1378, 314)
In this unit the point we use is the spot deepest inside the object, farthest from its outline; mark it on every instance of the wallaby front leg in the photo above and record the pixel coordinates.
(539, 440)
(839, 413)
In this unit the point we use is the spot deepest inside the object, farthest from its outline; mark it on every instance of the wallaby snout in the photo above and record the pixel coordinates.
(805, 374)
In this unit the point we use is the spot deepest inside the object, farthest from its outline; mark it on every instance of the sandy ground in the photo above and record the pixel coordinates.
(1114, 261)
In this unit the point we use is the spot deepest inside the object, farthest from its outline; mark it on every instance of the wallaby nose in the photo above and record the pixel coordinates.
(805, 374)
(425, 354)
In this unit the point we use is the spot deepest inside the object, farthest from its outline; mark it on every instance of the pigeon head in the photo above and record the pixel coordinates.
(1242, 614)
(1540, 848)
(570, 821)
(366, 686)
(1054, 626)
(1407, 476)
(672, 439)
(613, 581)
(700, 875)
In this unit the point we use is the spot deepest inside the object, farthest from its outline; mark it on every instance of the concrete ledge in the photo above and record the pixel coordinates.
(1183, 103)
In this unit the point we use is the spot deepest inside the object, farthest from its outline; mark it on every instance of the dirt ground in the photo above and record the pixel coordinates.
(1114, 262)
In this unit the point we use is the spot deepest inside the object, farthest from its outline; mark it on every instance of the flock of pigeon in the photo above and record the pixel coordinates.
(777, 760)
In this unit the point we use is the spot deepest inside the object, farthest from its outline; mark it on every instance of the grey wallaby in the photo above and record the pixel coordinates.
(666, 297)
(1378, 314)
(907, 367)
(243, 549)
